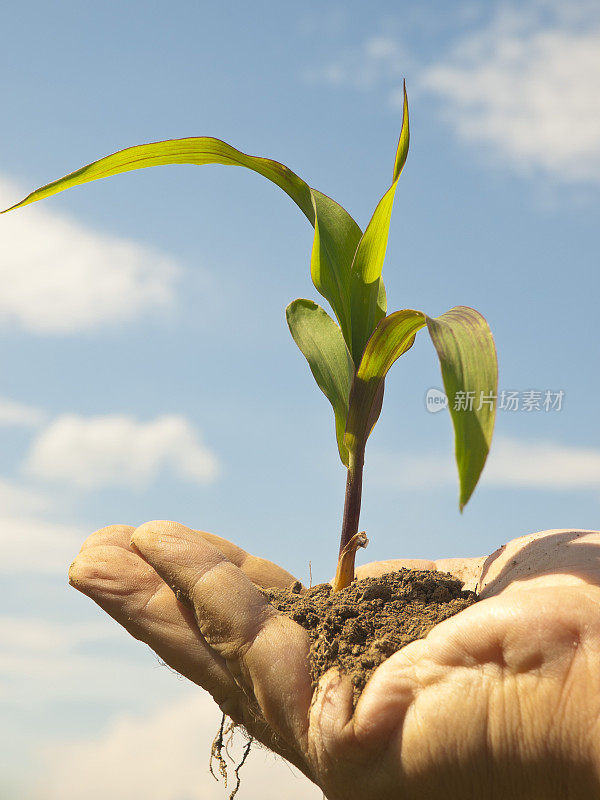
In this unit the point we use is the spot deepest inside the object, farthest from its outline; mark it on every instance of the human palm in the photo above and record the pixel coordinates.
(499, 701)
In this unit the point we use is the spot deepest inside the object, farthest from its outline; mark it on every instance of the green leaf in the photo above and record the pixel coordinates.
(392, 337)
(370, 253)
(336, 238)
(467, 354)
(403, 141)
(323, 346)
(336, 233)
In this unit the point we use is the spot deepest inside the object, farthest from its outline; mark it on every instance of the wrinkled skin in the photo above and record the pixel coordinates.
(500, 701)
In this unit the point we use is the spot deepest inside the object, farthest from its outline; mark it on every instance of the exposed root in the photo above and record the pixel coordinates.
(216, 753)
(229, 731)
(221, 745)
(238, 768)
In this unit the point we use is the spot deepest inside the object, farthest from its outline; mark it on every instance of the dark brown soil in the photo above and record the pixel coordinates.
(358, 628)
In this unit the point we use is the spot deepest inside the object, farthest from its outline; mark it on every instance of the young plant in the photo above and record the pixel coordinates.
(350, 358)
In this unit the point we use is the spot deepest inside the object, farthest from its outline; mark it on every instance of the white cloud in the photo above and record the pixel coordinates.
(380, 59)
(18, 414)
(32, 634)
(20, 500)
(511, 463)
(523, 82)
(527, 85)
(28, 542)
(381, 48)
(58, 276)
(43, 661)
(33, 679)
(545, 465)
(161, 756)
(37, 546)
(119, 450)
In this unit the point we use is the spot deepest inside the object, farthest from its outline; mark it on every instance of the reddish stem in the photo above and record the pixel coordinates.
(353, 497)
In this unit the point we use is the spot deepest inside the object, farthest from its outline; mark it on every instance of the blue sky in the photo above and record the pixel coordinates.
(147, 367)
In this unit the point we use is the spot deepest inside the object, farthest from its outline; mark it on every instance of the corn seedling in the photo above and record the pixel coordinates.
(349, 356)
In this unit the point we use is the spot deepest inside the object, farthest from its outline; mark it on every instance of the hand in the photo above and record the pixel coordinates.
(499, 701)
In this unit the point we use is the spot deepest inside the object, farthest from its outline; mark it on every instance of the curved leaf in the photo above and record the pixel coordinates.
(465, 347)
(336, 238)
(467, 355)
(370, 253)
(403, 141)
(392, 337)
(336, 233)
(323, 346)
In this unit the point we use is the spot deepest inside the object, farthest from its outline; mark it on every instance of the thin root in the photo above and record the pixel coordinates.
(216, 753)
(238, 768)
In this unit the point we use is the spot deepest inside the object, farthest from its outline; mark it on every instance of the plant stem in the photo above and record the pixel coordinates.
(350, 538)
(353, 497)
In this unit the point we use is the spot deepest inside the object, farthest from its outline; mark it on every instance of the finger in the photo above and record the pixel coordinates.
(266, 651)
(117, 535)
(260, 571)
(128, 589)
(554, 557)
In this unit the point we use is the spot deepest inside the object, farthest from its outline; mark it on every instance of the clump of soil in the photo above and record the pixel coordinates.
(357, 628)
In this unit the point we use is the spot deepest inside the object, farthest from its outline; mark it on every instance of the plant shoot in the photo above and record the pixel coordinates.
(350, 353)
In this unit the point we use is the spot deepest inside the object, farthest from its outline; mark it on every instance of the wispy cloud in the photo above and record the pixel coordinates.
(527, 85)
(43, 661)
(29, 543)
(58, 276)
(522, 83)
(13, 414)
(379, 60)
(511, 463)
(92, 452)
(545, 465)
(161, 756)
(32, 634)
(22, 500)
(33, 545)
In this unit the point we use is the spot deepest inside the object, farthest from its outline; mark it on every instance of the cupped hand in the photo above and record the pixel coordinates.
(499, 701)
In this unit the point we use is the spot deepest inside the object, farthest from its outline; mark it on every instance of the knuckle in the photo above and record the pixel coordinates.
(109, 532)
(148, 531)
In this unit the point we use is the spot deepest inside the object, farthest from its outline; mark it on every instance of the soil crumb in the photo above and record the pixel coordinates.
(358, 628)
